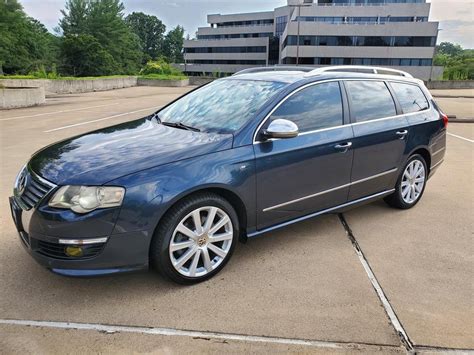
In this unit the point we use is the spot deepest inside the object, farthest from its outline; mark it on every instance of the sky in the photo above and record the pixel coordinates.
(456, 17)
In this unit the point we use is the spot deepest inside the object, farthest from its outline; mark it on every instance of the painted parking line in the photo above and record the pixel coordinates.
(111, 329)
(101, 119)
(54, 112)
(460, 137)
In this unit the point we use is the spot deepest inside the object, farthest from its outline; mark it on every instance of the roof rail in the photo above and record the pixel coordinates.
(359, 69)
(274, 68)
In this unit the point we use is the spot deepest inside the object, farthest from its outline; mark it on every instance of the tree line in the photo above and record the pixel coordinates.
(93, 38)
(458, 63)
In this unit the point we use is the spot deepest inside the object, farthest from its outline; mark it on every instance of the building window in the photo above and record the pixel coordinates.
(257, 49)
(281, 22)
(364, 41)
(408, 62)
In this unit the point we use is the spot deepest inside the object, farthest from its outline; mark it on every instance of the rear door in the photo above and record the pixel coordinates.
(380, 136)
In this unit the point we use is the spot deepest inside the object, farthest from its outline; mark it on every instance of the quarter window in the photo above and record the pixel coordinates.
(411, 97)
(315, 107)
(370, 100)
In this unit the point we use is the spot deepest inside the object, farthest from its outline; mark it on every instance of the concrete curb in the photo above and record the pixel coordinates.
(15, 97)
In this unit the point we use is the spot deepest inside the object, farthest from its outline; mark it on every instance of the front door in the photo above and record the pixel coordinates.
(379, 137)
(311, 172)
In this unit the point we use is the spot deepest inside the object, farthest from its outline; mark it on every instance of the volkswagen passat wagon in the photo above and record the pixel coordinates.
(231, 160)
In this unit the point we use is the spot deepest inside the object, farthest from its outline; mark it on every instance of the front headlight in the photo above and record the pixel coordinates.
(83, 199)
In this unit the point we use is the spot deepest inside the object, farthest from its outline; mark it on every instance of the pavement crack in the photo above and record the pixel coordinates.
(392, 316)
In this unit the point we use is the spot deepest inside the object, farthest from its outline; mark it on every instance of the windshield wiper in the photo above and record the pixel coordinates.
(181, 126)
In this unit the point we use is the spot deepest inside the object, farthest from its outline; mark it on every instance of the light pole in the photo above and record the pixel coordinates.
(432, 59)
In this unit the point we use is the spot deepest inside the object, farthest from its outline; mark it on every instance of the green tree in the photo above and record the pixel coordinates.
(85, 56)
(173, 46)
(102, 20)
(458, 63)
(150, 30)
(25, 44)
(449, 48)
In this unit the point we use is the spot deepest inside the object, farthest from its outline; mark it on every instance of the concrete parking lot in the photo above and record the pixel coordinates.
(319, 286)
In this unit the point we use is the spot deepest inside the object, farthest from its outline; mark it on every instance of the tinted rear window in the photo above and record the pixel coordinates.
(370, 100)
(411, 97)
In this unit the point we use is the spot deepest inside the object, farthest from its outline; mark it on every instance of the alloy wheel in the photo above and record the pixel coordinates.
(201, 241)
(413, 181)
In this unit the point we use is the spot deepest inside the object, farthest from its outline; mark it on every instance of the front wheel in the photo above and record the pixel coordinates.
(195, 239)
(410, 184)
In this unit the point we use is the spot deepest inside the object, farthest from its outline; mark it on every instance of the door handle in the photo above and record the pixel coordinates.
(402, 134)
(344, 147)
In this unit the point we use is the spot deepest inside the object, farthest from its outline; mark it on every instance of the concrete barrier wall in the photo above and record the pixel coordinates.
(164, 83)
(73, 86)
(451, 84)
(21, 97)
(199, 80)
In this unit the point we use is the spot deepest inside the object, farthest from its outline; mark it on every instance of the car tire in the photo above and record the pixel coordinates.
(179, 237)
(411, 184)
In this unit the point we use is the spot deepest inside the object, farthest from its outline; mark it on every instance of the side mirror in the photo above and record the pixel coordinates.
(281, 128)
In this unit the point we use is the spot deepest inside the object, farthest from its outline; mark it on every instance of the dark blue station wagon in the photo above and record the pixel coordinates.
(231, 160)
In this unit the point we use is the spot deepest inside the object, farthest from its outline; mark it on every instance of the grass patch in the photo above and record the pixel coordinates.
(163, 77)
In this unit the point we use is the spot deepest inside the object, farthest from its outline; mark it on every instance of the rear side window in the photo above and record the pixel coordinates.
(315, 107)
(370, 100)
(411, 97)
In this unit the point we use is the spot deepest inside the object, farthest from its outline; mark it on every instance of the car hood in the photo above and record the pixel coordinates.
(106, 154)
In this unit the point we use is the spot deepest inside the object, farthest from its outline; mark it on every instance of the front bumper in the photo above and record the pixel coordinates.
(122, 252)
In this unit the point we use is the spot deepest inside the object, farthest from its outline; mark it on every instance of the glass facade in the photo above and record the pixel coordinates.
(407, 62)
(281, 22)
(360, 20)
(225, 61)
(365, 41)
(236, 35)
(259, 49)
(368, 2)
(245, 23)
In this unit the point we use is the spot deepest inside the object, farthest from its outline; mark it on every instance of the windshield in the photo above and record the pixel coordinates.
(223, 105)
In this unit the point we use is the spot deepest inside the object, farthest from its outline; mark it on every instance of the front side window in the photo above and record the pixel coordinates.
(315, 107)
(411, 97)
(370, 100)
(222, 106)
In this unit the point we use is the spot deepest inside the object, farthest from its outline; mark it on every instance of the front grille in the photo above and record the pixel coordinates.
(35, 189)
(58, 251)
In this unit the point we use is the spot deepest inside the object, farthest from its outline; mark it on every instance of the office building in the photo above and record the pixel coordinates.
(393, 33)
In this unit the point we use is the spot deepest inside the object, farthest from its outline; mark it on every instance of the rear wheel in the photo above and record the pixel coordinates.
(195, 239)
(410, 184)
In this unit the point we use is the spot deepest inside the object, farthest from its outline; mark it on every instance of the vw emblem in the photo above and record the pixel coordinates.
(20, 187)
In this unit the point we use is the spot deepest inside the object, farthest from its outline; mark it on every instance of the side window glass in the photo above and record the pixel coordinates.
(411, 97)
(316, 107)
(370, 100)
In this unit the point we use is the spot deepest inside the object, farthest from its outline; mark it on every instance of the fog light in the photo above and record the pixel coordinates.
(74, 251)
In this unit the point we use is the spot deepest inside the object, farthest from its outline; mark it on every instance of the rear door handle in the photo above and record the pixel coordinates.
(402, 134)
(344, 147)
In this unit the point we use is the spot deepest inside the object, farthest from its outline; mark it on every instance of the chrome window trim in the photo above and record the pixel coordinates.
(255, 141)
(330, 190)
(281, 103)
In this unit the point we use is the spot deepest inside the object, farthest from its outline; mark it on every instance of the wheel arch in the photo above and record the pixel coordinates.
(425, 153)
(223, 191)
